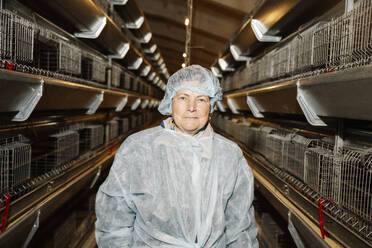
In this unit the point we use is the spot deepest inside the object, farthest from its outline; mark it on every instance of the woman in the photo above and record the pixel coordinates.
(179, 184)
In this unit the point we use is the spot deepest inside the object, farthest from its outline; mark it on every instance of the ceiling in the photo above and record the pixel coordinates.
(214, 22)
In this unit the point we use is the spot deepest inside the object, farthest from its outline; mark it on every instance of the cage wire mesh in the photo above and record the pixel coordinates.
(343, 42)
(112, 128)
(276, 146)
(69, 59)
(294, 155)
(6, 32)
(93, 67)
(91, 137)
(340, 49)
(15, 163)
(362, 35)
(281, 61)
(23, 39)
(16, 38)
(356, 178)
(98, 69)
(116, 75)
(341, 178)
(133, 121)
(59, 149)
(319, 169)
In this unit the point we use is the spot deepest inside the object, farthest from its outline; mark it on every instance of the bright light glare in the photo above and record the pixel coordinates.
(183, 65)
(187, 21)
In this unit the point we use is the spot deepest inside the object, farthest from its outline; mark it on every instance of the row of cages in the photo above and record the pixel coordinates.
(31, 48)
(344, 42)
(24, 161)
(343, 178)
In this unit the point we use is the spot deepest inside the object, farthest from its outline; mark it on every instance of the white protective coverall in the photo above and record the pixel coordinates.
(169, 189)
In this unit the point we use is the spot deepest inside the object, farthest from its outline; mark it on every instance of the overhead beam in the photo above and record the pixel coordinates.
(176, 53)
(179, 49)
(235, 7)
(195, 29)
(177, 32)
(176, 43)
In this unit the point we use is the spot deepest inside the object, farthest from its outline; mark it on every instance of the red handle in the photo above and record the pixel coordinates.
(321, 220)
(6, 202)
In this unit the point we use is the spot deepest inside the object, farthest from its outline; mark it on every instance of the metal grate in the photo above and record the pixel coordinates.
(356, 179)
(53, 54)
(93, 67)
(99, 69)
(69, 59)
(265, 68)
(281, 61)
(319, 169)
(58, 150)
(116, 75)
(6, 32)
(91, 137)
(113, 129)
(362, 35)
(294, 155)
(23, 40)
(302, 47)
(15, 163)
(64, 147)
(276, 141)
(340, 52)
(16, 38)
(343, 180)
(123, 125)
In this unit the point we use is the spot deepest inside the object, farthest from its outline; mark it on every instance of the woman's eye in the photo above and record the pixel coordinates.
(182, 98)
(202, 100)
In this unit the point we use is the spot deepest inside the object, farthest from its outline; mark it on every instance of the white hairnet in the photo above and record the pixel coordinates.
(195, 78)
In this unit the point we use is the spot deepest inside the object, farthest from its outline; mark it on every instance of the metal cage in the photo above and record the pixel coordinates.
(15, 163)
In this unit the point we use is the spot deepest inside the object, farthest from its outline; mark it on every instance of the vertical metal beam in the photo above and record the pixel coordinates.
(188, 32)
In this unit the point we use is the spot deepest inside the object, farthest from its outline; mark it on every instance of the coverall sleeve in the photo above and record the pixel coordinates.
(114, 210)
(241, 229)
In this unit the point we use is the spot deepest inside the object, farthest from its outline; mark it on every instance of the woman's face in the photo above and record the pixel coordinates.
(190, 111)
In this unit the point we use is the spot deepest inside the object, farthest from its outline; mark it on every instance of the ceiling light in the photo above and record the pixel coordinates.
(183, 65)
(184, 55)
(187, 21)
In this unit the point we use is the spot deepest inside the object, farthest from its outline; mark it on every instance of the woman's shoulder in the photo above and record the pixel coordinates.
(139, 140)
(229, 144)
(145, 134)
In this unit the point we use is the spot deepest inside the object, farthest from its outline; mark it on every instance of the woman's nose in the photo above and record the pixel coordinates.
(192, 106)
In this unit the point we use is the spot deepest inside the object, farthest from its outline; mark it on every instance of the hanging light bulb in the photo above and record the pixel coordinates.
(183, 65)
(184, 55)
(187, 21)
